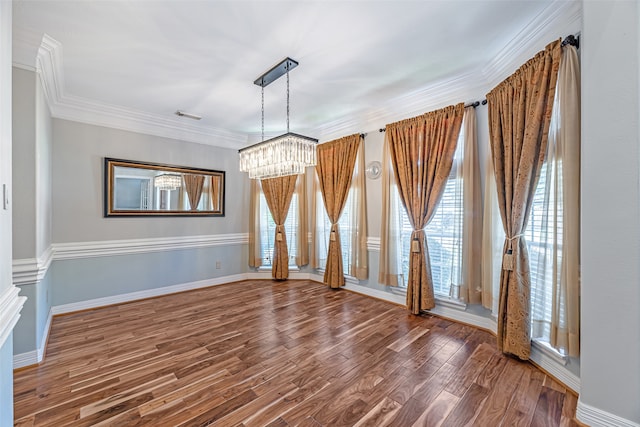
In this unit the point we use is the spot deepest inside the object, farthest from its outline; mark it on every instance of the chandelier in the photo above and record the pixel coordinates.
(287, 154)
(167, 181)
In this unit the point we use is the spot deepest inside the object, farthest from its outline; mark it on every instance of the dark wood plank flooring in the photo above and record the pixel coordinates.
(295, 353)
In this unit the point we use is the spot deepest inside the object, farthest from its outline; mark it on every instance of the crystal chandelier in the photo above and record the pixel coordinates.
(287, 154)
(167, 181)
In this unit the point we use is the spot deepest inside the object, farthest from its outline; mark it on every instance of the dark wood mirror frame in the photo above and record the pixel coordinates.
(133, 188)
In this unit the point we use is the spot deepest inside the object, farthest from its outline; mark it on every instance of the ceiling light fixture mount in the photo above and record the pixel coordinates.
(181, 113)
(287, 154)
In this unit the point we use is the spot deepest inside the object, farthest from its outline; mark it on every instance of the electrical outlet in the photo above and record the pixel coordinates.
(218, 265)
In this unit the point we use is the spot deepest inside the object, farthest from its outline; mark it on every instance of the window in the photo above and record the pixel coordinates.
(444, 233)
(268, 231)
(544, 227)
(345, 226)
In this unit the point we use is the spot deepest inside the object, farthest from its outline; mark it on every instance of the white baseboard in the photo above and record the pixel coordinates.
(557, 370)
(450, 312)
(25, 359)
(595, 417)
(148, 293)
(35, 356)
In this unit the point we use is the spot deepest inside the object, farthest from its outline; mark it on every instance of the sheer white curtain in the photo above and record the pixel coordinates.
(553, 230)
(390, 270)
(492, 241)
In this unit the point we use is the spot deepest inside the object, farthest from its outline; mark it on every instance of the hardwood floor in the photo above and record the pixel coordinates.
(260, 353)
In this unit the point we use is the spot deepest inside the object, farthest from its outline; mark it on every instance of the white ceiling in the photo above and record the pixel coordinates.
(357, 58)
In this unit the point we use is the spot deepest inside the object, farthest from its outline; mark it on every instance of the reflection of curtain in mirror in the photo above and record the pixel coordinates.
(182, 202)
(193, 185)
(215, 192)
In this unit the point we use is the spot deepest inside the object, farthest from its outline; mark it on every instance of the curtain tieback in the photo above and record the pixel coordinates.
(507, 258)
(279, 233)
(334, 230)
(416, 241)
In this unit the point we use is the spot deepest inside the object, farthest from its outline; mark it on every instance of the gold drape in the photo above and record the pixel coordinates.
(519, 117)
(471, 290)
(193, 185)
(336, 160)
(214, 191)
(422, 150)
(278, 193)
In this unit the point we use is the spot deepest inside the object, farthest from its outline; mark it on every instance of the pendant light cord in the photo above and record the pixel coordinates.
(287, 98)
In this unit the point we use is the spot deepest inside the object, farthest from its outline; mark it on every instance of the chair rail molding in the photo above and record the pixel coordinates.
(10, 306)
(76, 250)
(29, 271)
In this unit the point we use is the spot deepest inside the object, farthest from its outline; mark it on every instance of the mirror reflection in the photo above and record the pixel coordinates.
(139, 188)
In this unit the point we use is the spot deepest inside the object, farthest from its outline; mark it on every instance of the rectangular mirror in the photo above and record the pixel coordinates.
(146, 189)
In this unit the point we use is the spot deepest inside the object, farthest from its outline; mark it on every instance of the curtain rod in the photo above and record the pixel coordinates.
(569, 40)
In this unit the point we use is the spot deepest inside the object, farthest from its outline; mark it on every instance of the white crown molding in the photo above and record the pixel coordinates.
(78, 250)
(48, 63)
(29, 271)
(594, 417)
(149, 293)
(557, 20)
(452, 90)
(10, 306)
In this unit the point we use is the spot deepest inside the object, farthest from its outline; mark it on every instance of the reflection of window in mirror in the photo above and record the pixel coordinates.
(138, 188)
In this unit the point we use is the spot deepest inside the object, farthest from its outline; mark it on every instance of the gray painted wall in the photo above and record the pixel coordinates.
(32, 206)
(44, 146)
(79, 280)
(24, 163)
(611, 208)
(6, 382)
(78, 152)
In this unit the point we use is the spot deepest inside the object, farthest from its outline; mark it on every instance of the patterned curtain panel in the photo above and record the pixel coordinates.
(336, 160)
(519, 117)
(194, 184)
(278, 193)
(422, 150)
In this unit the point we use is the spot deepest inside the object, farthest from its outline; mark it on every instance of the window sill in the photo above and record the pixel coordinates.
(549, 351)
(268, 268)
(442, 301)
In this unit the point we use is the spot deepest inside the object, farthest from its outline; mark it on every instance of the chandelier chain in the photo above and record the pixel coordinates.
(287, 98)
(262, 113)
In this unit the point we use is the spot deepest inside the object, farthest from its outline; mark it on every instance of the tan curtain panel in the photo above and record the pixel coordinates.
(565, 316)
(390, 264)
(471, 290)
(336, 160)
(278, 193)
(194, 184)
(422, 150)
(214, 191)
(359, 257)
(519, 117)
(302, 234)
(255, 244)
